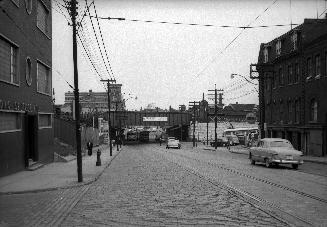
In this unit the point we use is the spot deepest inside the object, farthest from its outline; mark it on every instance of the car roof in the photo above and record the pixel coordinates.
(274, 140)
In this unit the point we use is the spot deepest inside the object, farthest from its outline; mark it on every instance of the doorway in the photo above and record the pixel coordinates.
(31, 139)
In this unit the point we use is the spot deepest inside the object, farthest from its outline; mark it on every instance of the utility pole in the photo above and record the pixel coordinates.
(194, 105)
(216, 112)
(109, 127)
(73, 12)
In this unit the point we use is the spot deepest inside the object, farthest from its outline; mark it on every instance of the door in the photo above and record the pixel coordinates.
(31, 139)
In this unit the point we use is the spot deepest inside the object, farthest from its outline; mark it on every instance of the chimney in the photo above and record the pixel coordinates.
(90, 91)
(236, 102)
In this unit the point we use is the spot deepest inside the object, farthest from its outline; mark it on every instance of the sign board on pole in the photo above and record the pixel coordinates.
(155, 118)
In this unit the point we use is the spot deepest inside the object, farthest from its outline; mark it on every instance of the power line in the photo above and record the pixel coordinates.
(96, 37)
(104, 46)
(191, 24)
(238, 35)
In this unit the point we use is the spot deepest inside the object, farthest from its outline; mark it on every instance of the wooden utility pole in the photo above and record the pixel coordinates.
(194, 105)
(109, 127)
(73, 13)
(216, 112)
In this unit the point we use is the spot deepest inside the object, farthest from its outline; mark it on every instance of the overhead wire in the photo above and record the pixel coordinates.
(104, 46)
(238, 35)
(96, 37)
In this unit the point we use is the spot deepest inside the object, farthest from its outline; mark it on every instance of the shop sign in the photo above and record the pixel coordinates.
(18, 106)
(155, 119)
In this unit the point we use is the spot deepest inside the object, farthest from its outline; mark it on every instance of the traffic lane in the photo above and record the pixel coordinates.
(295, 192)
(307, 167)
(143, 188)
(283, 175)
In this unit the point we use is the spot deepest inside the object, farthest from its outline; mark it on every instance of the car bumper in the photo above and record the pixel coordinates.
(283, 161)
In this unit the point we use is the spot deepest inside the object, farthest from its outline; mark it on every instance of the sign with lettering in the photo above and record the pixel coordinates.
(18, 106)
(155, 119)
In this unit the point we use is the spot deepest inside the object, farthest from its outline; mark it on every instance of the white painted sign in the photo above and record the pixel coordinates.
(155, 119)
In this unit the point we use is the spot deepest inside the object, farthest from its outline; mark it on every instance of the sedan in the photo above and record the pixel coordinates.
(173, 143)
(275, 151)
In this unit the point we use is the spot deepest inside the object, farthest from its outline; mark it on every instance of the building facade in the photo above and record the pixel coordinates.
(26, 107)
(293, 79)
(96, 101)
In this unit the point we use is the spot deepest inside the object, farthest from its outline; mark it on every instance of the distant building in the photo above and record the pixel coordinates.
(293, 76)
(26, 107)
(238, 112)
(96, 101)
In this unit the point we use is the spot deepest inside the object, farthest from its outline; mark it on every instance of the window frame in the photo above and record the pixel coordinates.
(38, 120)
(296, 73)
(46, 33)
(281, 76)
(278, 47)
(290, 74)
(317, 66)
(309, 68)
(265, 55)
(295, 40)
(16, 46)
(297, 111)
(37, 78)
(313, 110)
(21, 121)
(29, 83)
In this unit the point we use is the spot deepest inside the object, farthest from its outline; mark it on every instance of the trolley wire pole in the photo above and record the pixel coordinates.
(73, 14)
(216, 111)
(109, 127)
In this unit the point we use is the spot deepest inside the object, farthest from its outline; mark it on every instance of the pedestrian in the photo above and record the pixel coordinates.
(228, 143)
(160, 140)
(89, 146)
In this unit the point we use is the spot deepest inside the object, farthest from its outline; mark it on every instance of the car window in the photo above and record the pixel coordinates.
(281, 144)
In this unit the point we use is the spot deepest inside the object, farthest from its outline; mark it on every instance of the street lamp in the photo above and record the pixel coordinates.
(246, 79)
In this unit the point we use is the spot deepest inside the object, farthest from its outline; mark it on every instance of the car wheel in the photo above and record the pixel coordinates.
(267, 163)
(295, 166)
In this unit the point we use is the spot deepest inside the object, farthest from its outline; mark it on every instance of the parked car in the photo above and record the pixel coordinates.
(173, 143)
(220, 142)
(275, 151)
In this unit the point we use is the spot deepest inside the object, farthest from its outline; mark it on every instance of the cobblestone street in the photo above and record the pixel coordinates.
(142, 188)
(148, 185)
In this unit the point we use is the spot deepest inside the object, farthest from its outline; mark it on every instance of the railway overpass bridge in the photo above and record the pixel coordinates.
(175, 123)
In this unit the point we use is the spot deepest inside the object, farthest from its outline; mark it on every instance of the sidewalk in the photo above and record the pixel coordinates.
(243, 150)
(57, 175)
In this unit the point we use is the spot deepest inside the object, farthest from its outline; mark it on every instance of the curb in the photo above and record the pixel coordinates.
(64, 187)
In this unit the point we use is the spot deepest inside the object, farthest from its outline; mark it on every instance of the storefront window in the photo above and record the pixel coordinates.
(10, 121)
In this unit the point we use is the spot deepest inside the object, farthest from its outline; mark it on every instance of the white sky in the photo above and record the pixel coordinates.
(160, 63)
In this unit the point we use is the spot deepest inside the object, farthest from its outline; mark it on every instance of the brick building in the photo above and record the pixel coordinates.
(96, 101)
(26, 132)
(293, 80)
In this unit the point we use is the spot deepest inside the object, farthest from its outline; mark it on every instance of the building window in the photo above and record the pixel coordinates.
(281, 77)
(289, 74)
(265, 55)
(309, 68)
(297, 111)
(313, 110)
(294, 40)
(28, 75)
(45, 120)
(43, 79)
(8, 62)
(317, 66)
(290, 112)
(42, 17)
(281, 111)
(297, 73)
(28, 5)
(278, 48)
(10, 121)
